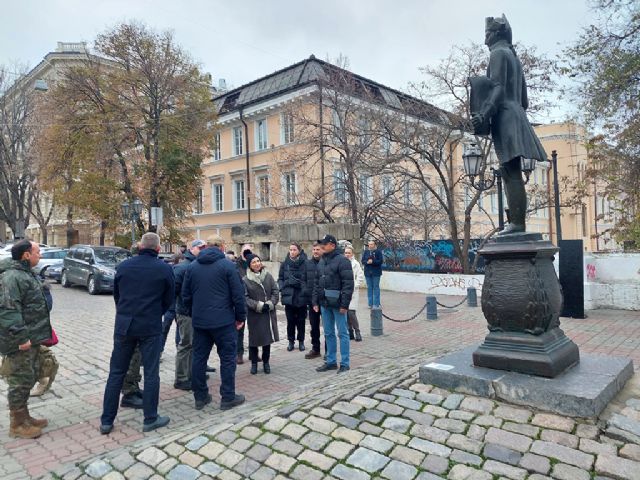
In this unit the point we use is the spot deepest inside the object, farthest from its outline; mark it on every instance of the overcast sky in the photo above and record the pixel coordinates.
(240, 40)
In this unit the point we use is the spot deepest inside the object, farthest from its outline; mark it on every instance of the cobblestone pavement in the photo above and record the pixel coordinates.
(85, 325)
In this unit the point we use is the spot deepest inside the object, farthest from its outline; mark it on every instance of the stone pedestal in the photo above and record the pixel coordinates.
(522, 301)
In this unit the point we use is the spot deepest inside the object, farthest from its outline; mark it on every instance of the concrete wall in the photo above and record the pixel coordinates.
(431, 283)
(612, 280)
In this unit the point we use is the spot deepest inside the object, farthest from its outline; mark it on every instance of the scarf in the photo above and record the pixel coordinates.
(257, 277)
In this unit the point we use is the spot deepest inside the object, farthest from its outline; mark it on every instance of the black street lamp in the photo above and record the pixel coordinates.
(131, 213)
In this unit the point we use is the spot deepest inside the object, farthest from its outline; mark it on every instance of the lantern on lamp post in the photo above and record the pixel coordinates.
(131, 212)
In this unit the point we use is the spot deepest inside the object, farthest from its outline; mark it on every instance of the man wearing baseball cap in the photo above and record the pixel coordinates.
(331, 295)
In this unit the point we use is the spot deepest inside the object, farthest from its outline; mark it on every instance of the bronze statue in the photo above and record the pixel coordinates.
(499, 108)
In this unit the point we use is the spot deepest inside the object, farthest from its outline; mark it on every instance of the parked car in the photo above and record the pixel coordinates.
(54, 272)
(92, 266)
(48, 258)
(5, 251)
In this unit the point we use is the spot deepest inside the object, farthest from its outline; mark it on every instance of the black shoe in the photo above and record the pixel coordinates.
(325, 366)
(351, 337)
(343, 368)
(254, 368)
(158, 423)
(105, 429)
(186, 386)
(226, 405)
(290, 347)
(200, 404)
(358, 336)
(131, 401)
(301, 346)
(138, 394)
(267, 368)
(211, 369)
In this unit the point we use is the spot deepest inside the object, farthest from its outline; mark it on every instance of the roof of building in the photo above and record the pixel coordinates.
(314, 71)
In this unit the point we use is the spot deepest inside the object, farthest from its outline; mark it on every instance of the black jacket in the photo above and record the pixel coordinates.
(292, 281)
(312, 269)
(179, 272)
(334, 273)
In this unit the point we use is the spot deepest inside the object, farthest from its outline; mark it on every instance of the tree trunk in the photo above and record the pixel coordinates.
(103, 228)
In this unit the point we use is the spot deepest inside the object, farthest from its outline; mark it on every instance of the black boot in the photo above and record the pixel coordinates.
(290, 347)
(254, 368)
(301, 346)
(351, 337)
(358, 336)
(267, 368)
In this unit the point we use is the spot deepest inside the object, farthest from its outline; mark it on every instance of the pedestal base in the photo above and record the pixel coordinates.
(545, 355)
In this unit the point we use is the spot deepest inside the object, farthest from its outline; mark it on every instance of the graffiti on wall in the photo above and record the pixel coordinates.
(429, 256)
(455, 281)
(591, 271)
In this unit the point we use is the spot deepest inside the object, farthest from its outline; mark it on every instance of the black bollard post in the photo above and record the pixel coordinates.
(432, 308)
(472, 297)
(376, 322)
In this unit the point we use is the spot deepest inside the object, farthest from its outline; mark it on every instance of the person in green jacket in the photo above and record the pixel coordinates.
(24, 324)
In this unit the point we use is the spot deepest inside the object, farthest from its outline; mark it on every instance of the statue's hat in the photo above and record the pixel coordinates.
(499, 24)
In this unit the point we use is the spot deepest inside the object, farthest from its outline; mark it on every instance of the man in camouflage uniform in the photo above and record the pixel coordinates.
(24, 324)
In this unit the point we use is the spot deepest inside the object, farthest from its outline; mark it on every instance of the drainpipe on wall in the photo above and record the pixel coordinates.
(248, 180)
(322, 186)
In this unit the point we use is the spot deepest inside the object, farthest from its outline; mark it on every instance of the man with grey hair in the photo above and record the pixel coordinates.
(143, 290)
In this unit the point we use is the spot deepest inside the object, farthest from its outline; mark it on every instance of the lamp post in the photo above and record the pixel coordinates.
(131, 213)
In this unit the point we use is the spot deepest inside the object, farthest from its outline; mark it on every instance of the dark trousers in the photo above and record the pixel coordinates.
(266, 354)
(166, 328)
(352, 321)
(123, 347)
(314, 320)
(240, 348)
(225, 339)
(295, 321)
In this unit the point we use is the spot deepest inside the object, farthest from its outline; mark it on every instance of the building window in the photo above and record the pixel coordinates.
(339, 186)
(238, 194)
(366, 188)
(216, 147)
(494, 202)
(385, 145)
(289, 187)
(424, 194)
(386, 185)
(261, 134)
(286, 128)
(264, 191)
(199, 202)
(407, 194)
(217, 191)
(237, 141)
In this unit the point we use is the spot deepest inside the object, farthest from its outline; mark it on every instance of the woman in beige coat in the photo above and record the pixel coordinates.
(358, 281)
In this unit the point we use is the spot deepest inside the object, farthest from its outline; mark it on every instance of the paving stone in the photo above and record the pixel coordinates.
(561, 438)
(210, 468)
(451, 425)
(528, 430)
(407, 455)
(367, 460)
(322, 412)
(429, 447)
(320, 424)
(488, 421)
(173, 449)
(347, 408)
(251, 432)
(396, 423)
(418, 417)
(298, 416)
(315, 440)
(435, 411)
(369, 428)
(345, 473)
(259, 453)
(376, 443)
(477, 404)
(385, 397)
(109, 476)
(568, 472)
(390, 408)
(435, 464)
(617, 467)
(228, 437)
(498, 468)
(518, 415)
(420, 388)
(512, 440)
(241, 445)
(346, 420)
(430, 398)
(211, 450)
(164, 467)
(138, 471)
(428, 476)
(549, 420)
(564, 454)
(467, 458)
(585, 430)
(229, 458)
(537, 476)
(302, 472)
(246, 467)
(191, 459)
(476, 432)
(633, 403)
(99, 468)
(401, 392)
(372, 416)
(502, 454)
(630, 451)
(280, 462)
(264, 473)
(275, 424)
(293, 430)
(535, 463)
(183, 472)
(351, 436)
(430, 433)
(453, 401)
(366, 402)
(464, 443)
(463, 472)
(229, 475)
(339, 449)
(399, 471)
(125, 460)
(196, 443)
(461, 415)
(153, 456)
(597, 448)
(319, 460)
(395, 437)
(409, 403)
(287, 447)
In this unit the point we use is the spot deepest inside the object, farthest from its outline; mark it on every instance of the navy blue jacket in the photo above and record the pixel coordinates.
(374, 269)
(213, 292)
(179, 271)
(143, 289)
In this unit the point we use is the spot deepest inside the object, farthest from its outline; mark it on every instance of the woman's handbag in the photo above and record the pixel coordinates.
(52, 341)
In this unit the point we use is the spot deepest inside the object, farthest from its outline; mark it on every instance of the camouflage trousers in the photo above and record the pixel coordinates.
(133, 377)
(20, 370)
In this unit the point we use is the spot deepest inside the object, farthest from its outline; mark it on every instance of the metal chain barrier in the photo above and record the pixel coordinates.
(407, 319)
(453, 306)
